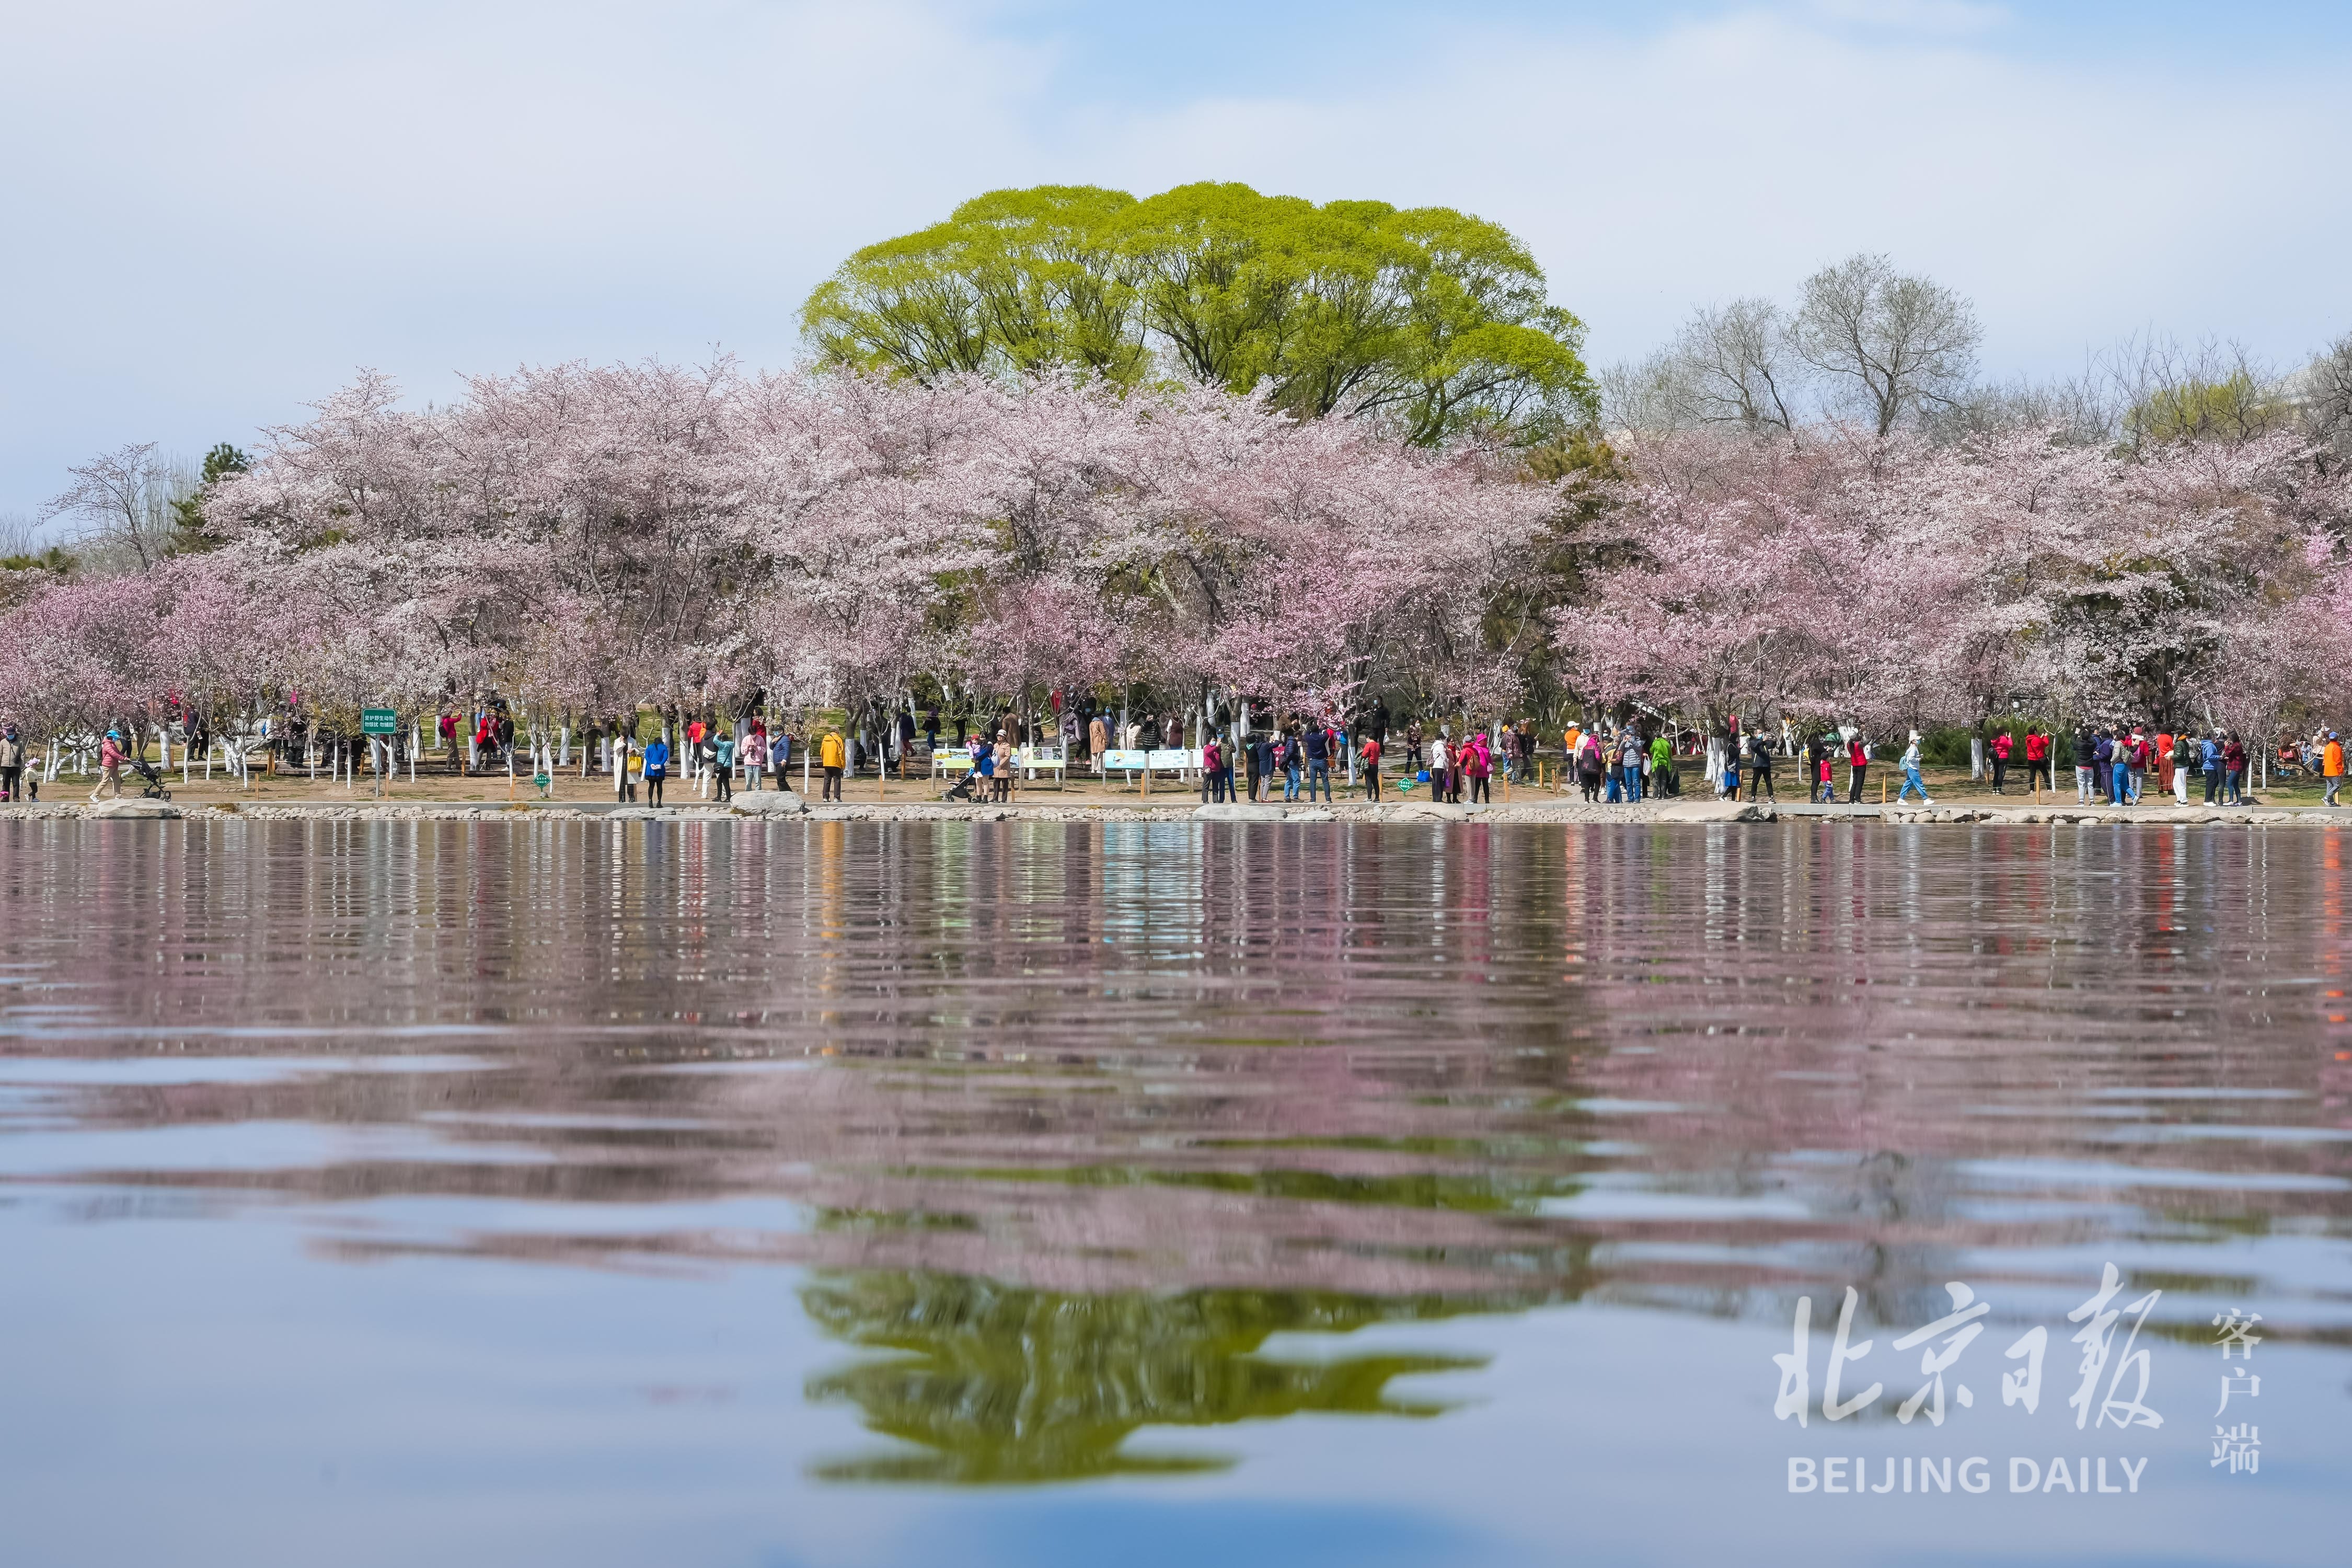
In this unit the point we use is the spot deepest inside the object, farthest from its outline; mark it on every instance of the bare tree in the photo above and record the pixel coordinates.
(2081, 410)
(1894, 344)
(1736, 367)
(1643, 397)
(122, 501)
(2324, 394)
(19, 535)
(2214, 390)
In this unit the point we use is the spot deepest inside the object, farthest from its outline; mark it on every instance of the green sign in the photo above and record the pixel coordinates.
(379, 722)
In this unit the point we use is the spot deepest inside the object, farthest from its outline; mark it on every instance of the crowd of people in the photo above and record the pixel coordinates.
(1301, 758)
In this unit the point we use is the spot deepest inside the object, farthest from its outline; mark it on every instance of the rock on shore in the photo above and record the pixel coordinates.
(791, 806)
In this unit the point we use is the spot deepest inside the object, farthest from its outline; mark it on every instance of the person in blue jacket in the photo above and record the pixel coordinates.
(656, 769)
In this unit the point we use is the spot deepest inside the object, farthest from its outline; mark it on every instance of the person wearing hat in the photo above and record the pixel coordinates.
(109, 765)
(12, 762)
(1911, 780)
(2331, 765)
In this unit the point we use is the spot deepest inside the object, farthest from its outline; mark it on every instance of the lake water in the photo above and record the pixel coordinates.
(1035, 1194)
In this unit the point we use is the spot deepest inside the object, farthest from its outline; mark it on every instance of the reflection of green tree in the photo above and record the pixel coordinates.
(1002, 1384)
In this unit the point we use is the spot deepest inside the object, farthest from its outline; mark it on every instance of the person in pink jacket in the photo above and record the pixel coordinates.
(109, 765)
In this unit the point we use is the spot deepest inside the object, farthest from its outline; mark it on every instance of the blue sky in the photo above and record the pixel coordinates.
(221, 209)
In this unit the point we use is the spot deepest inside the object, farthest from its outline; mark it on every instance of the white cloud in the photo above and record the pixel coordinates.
(217, 213)
(1919, 16)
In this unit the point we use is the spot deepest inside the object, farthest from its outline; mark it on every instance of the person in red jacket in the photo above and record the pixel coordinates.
(2001, 746)
(2037, 757)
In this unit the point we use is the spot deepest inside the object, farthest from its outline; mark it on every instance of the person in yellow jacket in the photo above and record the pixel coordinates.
(829, 754)
(2331, 765)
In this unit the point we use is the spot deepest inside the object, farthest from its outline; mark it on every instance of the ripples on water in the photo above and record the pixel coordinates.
(1066, 1144)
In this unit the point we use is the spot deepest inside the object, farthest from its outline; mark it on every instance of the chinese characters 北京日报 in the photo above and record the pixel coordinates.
(2125, 1371)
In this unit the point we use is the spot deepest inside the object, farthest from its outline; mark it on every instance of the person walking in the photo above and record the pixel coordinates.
(831, 754)
(109, 765)
(1911, 780)
(656, 769)
(1760, 767)
(723, 765)
(1370, 758)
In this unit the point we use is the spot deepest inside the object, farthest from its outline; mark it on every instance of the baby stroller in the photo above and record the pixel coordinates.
(964, 787)
(152, 785)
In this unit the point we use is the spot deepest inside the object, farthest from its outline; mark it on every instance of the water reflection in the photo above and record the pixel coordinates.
(998, 1384)
(1068, 1121)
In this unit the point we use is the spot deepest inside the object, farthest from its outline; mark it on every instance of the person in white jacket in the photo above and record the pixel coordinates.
(1911, 780)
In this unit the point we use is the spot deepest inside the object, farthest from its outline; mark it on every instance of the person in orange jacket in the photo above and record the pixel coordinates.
(2331, 765)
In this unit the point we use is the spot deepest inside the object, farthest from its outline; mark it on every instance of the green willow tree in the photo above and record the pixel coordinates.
(1433, 321)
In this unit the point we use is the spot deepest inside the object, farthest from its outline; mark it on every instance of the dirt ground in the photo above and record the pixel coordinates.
(435, 782)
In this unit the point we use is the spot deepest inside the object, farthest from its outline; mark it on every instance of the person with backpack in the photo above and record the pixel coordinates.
(1477, 766)
(1911, 780)
(722, 761)
(1588, 767)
